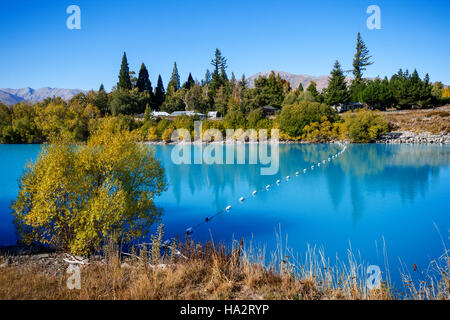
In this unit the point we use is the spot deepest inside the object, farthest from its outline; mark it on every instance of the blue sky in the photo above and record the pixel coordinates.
(302, 37)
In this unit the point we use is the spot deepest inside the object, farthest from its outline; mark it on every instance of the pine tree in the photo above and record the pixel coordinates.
(361, 59)
(189, 83)
(174, 79)
(337, 92)
(300, 88)
(101, 100)
(160, 94)
(124, 75)
(143, 82)
(219, 75)
(312, 88)
(207, 77)
(243, 82)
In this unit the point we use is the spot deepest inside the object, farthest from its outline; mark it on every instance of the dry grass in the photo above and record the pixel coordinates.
(434, 121)
(194, 271)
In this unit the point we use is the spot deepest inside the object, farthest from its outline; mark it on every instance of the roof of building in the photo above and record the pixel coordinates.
(160, 113)
(271, 108)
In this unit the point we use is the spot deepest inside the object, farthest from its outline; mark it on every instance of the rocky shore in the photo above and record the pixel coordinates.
(414, 138)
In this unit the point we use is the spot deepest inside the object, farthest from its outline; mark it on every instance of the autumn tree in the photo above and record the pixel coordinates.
(73, 199)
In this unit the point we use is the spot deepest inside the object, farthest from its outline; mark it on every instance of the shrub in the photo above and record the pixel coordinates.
(321, 132)
(254, 116)
(295, 117)
(234, 120)
(152, 134)
(167, 134)
(365, 126)
(74, 197)
(163, 124)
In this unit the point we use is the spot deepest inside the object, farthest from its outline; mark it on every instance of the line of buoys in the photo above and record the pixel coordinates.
(190, 230)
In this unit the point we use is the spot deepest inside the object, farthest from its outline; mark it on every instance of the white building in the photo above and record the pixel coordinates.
(160, 114)
(213, 114)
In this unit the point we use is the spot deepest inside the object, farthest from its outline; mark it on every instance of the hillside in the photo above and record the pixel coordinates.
(12, 96)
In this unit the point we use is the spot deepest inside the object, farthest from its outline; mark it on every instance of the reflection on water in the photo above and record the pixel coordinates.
(403, 169)
(371, 194)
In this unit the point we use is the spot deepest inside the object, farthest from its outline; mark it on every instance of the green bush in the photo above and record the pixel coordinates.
(295, 117)
(254, 117)
(234, 120)
(365, 126)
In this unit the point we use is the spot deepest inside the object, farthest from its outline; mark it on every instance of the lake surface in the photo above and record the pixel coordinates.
(395, 193)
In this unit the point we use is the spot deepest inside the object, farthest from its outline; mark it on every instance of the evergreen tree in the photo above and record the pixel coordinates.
(337, 92)
(174, 79)
(300, 88)
(189, 83)
(312, 88)
(160, 94)
(219, 76)
(143, 82)
(124, 75)
(101, 100)
(361, 59)
(377, 94)
(207, 77)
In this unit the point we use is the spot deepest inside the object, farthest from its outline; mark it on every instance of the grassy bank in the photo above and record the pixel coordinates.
(434, 121)
(194, 271)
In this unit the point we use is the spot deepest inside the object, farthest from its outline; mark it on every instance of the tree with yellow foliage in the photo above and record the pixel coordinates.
(446, 93)
(76, 196)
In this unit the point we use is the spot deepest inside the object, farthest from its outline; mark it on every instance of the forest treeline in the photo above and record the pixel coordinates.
(305, 113)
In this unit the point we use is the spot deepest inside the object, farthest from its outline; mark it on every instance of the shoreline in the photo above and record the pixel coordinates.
(408, 137)
(394, 137)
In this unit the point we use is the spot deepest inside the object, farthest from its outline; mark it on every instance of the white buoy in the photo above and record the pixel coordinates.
(254, 193)
(288, 177)
(241, 199)
(297, 173)
(278, 181)
(304, 170)
(318, 164)
(228, 208)
(189, 231)
(324, 161)
(312, 167)
(268, 186)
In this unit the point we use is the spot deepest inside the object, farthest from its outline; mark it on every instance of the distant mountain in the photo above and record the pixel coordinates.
(294, 79)
(9, 98)
(12, 96)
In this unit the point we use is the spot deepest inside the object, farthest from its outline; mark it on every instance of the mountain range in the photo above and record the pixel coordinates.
(12, 96)
(294, 79)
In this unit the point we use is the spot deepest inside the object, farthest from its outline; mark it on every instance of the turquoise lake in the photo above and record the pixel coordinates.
(398, 194)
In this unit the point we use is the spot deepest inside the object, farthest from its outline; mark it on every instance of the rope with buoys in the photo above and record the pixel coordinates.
(190, 230)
